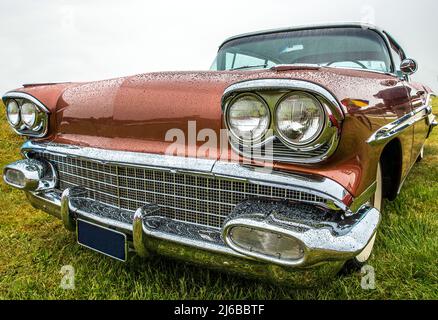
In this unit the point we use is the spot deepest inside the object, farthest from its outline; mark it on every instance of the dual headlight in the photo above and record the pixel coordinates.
(26, 117)
(298, 118)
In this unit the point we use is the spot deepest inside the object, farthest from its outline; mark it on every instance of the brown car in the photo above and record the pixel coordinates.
(273, 164)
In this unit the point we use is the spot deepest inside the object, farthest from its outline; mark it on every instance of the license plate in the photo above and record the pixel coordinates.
(103, 240)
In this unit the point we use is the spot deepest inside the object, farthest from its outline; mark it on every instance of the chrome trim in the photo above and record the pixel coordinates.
(363, 198)
(393, 129)
(334, 114)
(287, 84)
(361, 70)
(22, 95)
(431, 120)
(75, 204)
(39, 175)
(140, 240)
(44, 114)
(233, 262)
(140, 232)
(320, 243)
(67, 218)
(295, 66)
(128, 158)
(319, 186)
(138, 236)
(323, 242)
(49, 202)
(270, 157)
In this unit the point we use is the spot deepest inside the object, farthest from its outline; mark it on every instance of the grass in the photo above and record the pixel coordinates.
(35, 246)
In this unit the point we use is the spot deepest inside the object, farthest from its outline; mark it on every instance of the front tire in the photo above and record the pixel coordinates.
(376, 201)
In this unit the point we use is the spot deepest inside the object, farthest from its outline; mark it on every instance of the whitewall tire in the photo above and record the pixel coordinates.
(376, 201)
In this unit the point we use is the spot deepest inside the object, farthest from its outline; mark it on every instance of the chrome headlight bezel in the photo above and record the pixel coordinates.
(39, 127)
(272, 147)
(227, 112)
(314, 140)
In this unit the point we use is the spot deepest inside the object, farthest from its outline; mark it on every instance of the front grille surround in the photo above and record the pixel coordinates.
(278, 151)
(199, 199)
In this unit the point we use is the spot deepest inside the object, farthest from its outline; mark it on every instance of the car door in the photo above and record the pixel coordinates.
(417, 97)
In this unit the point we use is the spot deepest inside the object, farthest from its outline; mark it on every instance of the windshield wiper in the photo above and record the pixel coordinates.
(249, 66)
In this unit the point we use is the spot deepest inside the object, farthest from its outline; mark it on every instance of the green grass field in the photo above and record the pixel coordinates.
(34, 247)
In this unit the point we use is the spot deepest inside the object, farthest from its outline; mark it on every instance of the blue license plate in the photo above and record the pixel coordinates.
(104, 240)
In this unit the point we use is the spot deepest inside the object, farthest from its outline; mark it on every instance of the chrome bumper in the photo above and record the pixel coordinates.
(328, 236)
(328, 245)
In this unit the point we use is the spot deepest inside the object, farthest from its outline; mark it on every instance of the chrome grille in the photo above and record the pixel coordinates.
(279, 152)
(203, 200)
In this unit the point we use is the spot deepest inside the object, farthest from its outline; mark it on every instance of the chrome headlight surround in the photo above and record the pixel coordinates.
(38, 127)
(228, 121)
(272, 91)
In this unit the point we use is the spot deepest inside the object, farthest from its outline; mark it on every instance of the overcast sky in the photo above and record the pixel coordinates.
(72, 40)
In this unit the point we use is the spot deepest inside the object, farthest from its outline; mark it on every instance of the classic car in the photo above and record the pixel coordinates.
(273, 164)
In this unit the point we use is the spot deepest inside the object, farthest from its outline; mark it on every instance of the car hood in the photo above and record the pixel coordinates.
(147, 112)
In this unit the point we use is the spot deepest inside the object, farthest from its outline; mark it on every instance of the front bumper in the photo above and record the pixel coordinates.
(205, 247)
(327, 237)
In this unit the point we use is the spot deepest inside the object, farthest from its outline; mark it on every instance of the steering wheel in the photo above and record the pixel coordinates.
(360, 64)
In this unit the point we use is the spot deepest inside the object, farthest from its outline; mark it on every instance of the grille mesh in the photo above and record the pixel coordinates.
(203, 200)
(277, 151)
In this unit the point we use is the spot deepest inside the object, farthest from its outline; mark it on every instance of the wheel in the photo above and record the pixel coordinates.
(376, 201)
(421, 155)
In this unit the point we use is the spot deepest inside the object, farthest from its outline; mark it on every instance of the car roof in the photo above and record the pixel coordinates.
(308, 27)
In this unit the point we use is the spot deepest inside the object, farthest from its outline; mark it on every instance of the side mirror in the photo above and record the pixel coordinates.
(409, 66)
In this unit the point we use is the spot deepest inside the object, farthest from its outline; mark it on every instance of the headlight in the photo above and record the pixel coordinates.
(13, 113)
(248, 117)
(29, 114)
(299, 118)
(26, 114)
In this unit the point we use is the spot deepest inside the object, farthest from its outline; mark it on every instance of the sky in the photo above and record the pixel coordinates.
(78, 40)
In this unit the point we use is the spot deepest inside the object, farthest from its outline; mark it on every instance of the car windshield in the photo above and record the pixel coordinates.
(337, 47)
